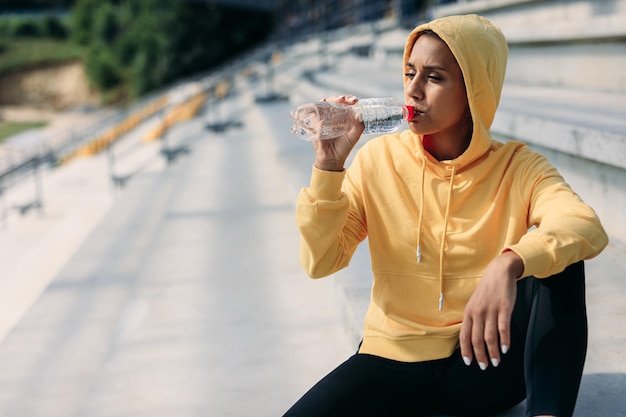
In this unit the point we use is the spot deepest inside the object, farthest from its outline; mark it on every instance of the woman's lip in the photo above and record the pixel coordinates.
(417, 113)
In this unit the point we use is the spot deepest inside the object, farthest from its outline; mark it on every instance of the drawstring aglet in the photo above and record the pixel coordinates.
(440, 301)
(419, 254)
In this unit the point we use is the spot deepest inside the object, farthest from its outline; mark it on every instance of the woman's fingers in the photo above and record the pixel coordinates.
(504, 330)
(473, 337)
(341, 99)
(491, 339)
(465, 341)
(478, 343)
(331, 154)
(484, 337)
(485, 332)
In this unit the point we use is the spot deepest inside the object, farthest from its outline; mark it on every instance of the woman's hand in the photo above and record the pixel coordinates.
(485, 331)
(331, 154)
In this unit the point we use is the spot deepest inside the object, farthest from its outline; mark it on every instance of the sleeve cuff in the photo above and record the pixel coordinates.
(536, 258)
(326, 185)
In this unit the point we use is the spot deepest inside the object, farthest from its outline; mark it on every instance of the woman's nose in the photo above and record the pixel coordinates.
(414, 89)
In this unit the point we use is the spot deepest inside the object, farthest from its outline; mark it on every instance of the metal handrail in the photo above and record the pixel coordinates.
(17, 171)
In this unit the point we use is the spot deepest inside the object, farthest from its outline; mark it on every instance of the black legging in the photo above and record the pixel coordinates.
(544, 365)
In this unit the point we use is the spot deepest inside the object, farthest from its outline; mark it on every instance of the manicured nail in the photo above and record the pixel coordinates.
(482, 365)
(467, 360)
(504, 349)
(495, 362)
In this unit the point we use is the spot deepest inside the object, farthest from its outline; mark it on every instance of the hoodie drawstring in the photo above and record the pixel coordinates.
(445, 227)
(443, 237)
(421, 215)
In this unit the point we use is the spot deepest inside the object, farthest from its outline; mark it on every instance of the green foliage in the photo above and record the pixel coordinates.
(54, 28)
(126, 49)
(83, 15)
(5, 28)
(102, 69)
(26, 28)
(48, 26)
(21, 5)
(153, 42)
(106, 27)
(146, 44)
(131, 45)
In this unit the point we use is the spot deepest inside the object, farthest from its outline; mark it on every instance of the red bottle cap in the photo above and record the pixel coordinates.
(410, 112)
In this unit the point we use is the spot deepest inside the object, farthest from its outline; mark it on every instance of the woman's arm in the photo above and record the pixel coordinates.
(566, 230)
(330, 230)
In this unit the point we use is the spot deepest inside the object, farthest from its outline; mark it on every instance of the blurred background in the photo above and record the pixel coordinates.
(148, 253)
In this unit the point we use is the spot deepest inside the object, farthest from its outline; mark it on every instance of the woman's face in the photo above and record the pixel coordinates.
(434, 86)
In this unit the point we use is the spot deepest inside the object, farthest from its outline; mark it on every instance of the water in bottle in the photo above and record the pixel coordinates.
(324, 120)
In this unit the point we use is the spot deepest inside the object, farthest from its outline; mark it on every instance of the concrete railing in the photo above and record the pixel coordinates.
(579, 44)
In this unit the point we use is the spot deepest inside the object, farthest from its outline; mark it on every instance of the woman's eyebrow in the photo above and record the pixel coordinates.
(434, 68)
(427, 67)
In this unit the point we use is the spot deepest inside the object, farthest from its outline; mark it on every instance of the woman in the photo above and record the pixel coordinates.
(478, 296)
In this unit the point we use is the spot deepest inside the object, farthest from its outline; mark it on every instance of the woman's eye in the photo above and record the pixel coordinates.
(434, 77)
(409, 75)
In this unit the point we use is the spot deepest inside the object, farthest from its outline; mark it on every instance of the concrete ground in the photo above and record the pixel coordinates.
(181, 295)
(184, 299)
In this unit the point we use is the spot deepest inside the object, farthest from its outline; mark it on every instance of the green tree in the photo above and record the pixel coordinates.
(101, 68)
(54, 28)
(197, 42)
(82, 20)
(150, 43)
(105, 24)
(27, 28)
(151, 34)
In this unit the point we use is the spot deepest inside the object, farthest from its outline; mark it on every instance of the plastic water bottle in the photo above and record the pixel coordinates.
(324, 120)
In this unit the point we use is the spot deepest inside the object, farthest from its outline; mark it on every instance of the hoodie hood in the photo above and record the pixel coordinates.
(481, 51)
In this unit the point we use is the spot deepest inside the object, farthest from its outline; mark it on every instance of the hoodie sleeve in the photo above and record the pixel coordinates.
(565, 231)
(330, 232)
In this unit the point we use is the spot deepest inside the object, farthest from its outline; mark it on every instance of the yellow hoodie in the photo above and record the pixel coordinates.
(433, 226)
